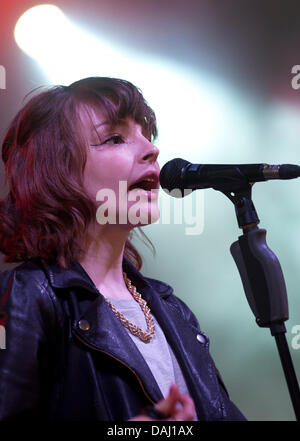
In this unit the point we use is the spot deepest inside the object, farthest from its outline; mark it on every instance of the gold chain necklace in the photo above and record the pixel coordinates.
(135, 330)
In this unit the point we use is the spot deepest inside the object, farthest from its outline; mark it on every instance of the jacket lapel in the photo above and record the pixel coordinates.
(106, 334)
(193, 357)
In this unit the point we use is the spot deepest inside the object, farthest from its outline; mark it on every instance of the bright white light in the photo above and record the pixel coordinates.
(190, 109)
(40, 30)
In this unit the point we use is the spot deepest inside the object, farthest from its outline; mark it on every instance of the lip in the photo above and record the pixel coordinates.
(153, 174)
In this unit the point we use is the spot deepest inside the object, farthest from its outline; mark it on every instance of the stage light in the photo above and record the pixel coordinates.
(39, 30)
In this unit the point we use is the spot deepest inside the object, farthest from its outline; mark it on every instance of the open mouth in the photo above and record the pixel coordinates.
(147, 184)
(142, 185)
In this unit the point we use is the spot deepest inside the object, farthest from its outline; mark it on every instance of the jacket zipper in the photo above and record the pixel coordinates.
(117, 359)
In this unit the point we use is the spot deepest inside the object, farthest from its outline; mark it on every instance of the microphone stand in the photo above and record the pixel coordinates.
(262, 279)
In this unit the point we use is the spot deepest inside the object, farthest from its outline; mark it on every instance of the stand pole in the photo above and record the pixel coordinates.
(289, 371)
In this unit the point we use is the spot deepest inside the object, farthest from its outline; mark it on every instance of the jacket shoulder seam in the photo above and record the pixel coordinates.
(42, 286)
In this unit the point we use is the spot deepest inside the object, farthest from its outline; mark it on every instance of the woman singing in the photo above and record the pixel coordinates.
(88, 337)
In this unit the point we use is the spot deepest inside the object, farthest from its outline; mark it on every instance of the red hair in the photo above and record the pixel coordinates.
(47, 211)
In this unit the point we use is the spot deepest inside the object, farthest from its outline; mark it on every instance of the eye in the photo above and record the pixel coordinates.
(112, 140)
(115, 139)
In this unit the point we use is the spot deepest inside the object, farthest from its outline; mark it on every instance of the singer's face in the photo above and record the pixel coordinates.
(117, 157)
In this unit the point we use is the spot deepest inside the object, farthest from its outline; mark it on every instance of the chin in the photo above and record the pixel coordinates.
(144, 217)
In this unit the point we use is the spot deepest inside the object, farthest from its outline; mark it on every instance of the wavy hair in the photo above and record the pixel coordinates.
(46, 211)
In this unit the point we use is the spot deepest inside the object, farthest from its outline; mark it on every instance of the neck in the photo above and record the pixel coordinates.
(103, 258)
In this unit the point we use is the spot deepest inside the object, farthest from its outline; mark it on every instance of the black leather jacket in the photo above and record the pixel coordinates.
(68, 357)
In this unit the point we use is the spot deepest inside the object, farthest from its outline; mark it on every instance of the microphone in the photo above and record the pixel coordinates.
(181, 174)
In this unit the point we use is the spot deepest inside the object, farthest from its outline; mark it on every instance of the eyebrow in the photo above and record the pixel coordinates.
(120, 122)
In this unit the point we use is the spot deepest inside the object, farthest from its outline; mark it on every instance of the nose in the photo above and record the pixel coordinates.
(150, 152)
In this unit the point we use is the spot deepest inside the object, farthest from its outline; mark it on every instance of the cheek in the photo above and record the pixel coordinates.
(93, 177)
(105, 172)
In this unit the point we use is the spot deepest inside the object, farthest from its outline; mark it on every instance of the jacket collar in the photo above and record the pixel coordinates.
(76, 276)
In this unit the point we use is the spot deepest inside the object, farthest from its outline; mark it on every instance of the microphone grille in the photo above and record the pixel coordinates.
(170, 174)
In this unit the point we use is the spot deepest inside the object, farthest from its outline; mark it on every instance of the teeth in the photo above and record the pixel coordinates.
(138, 189)
(150, 180)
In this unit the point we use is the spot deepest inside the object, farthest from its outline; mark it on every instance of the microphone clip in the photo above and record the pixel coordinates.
(244, 208)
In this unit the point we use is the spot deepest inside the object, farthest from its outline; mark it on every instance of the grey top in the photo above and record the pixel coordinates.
(157, 353)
